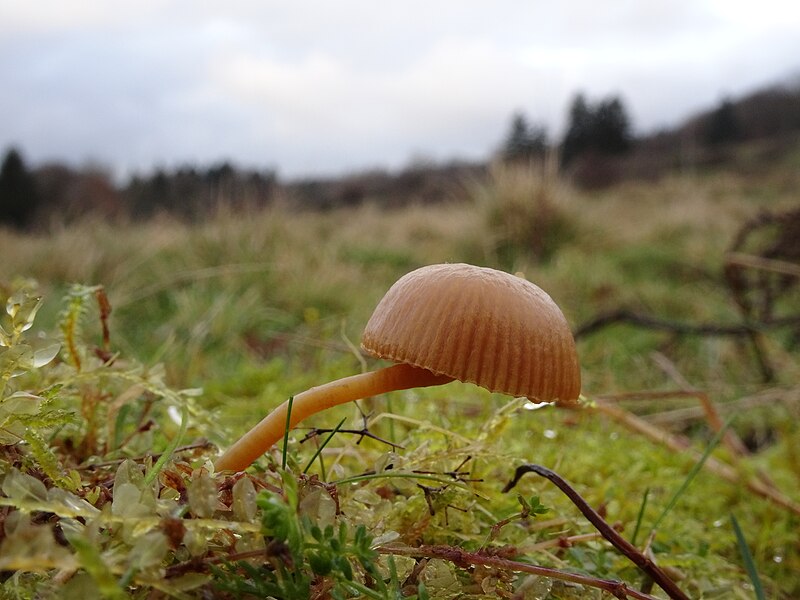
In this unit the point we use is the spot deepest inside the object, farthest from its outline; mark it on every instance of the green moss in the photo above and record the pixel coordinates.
(254, 308)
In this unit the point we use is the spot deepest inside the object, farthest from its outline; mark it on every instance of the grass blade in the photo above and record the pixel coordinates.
(692, 473)
(640, 516)
(286, 431)
(321, 447)
(170, 450)
(747, 558)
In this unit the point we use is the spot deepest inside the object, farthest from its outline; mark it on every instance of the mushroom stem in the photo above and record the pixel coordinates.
(271, 428)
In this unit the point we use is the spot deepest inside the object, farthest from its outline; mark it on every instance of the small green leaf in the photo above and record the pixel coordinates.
(320, 564)
(202, 493)
(43, 356)
(244, 500)
(20, 487)
(22, 308)
(92, 561)
(15, 361)
(12, 409)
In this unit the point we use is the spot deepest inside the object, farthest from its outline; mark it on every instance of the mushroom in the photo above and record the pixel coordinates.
(439, 323)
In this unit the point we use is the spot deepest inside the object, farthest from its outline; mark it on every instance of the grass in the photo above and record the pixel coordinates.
(254, 308)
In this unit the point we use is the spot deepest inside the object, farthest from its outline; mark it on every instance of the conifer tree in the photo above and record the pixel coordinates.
(18, 194)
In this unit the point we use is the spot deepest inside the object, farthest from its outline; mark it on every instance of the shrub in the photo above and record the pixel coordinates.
(525, 213)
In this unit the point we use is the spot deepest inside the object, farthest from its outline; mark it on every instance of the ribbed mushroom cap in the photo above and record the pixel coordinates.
(478, 325)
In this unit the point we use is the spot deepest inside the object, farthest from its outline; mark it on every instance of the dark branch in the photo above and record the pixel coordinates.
(630, 317)
(608, 532)
(362, 433)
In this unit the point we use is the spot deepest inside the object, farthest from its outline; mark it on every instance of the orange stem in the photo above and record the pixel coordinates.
(271, 428)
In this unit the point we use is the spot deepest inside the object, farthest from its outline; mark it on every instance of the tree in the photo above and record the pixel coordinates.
(19, 198)
(612, 128)
(602, 129)
(579, 132)
(723, 125)
(524, 141)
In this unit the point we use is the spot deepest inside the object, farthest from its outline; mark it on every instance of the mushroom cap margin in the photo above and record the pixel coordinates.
(478, 325)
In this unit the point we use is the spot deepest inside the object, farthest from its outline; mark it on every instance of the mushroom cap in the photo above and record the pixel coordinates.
(478, 325)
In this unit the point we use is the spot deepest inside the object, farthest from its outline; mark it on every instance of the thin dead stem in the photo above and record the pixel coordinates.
(464, 558)
(764, 264)
(732, 441)
(787, 396)
(683, 445)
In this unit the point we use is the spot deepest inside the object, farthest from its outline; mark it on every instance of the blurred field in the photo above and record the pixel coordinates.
(254, 307)
(278, 277)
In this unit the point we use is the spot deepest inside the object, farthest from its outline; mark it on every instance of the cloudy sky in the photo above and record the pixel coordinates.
(327, 86)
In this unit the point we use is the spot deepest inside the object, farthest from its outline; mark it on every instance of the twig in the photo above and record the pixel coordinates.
(320, 448)
(200, 445)
(463, 558)
(104, 307)
(561, 542)
(624, 315)
(364, 432)
(681, 444)
(608, 532)
(419, 424)
(753, 261)
(646, 395)
(732, 441)
(769, 397)
(201, 564)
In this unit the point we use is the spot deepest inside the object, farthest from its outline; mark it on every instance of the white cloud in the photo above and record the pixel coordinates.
(457, 98)
(326, 86)
(51, 16)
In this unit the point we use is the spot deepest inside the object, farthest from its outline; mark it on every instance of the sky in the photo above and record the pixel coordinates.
(327, 87)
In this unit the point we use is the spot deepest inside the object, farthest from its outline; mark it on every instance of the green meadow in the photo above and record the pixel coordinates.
(212, 324)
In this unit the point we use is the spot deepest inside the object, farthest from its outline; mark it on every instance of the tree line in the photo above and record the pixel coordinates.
(595, 149)
(599, 142)
(602, 127)
(56, 192)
